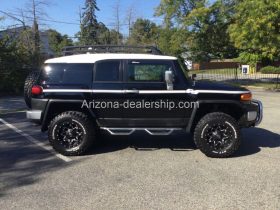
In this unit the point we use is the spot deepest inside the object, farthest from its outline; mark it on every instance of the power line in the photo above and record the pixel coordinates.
(51, 20)
(43, 19)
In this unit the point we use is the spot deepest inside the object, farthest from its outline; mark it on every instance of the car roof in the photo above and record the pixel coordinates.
(92, 58)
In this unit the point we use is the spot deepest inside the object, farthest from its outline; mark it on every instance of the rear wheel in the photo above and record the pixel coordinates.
(71, 133)
(217, 135)
(30, 80)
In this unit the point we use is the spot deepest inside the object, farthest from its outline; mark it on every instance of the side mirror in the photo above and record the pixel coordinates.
(169, 79)
(193, 76)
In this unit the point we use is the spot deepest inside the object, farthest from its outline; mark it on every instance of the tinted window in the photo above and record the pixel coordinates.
(147, 71)
(67, 73)
(107, 71)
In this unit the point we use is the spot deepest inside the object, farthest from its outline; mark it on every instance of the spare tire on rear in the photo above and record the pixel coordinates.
(30, 80)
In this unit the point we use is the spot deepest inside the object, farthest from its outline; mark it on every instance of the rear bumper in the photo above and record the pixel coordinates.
(34, 114)
(38, 107)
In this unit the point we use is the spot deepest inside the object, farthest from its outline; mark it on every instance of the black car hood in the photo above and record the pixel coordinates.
(205, 85)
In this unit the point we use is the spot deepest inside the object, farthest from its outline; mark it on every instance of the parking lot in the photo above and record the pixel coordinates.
(140, 171)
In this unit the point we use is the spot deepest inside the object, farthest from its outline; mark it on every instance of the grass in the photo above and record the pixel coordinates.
(270, 86)
(265, 85)
(214, 71)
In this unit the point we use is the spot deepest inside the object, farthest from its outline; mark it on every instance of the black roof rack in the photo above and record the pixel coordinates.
(73, 50)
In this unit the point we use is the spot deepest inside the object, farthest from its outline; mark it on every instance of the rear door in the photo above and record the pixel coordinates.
(107, 92)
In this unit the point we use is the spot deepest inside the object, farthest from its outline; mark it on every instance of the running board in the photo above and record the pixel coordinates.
(151, 131)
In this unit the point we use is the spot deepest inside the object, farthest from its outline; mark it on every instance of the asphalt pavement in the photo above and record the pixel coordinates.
(139, 171)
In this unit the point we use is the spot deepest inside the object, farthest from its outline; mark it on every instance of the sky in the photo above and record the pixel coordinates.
(68, 11)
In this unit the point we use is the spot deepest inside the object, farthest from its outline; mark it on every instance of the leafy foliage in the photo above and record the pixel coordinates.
(143, 31)
(209, 38)
(256, 30)
(89, 23)
(176, 10)
(93, 32)
(205, 26)
(172, 41)
(106, 36)
(58, 41)
(14, 65)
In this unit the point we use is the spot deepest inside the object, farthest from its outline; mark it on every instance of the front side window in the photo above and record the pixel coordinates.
(147, 71)
(107, 71)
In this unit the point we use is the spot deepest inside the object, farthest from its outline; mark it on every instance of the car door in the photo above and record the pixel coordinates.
(157, 107)
(107, 92)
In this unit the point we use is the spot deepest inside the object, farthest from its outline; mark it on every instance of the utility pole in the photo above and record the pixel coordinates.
(117, 19)
(36, 35)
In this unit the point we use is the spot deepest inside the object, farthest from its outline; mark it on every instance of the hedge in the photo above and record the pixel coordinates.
(270, 70)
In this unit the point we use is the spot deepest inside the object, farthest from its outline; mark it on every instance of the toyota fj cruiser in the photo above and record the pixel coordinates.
(109, 87)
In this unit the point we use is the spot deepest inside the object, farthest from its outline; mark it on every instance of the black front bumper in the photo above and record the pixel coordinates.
(253, 114)
(259, 111)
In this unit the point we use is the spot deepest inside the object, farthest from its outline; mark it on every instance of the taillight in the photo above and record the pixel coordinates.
(37, 90)
(246, 97)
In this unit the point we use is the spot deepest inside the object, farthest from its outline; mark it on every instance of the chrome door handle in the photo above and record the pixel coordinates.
(131, 91)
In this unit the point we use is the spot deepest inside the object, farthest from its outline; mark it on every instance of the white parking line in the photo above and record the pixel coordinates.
(35, 141)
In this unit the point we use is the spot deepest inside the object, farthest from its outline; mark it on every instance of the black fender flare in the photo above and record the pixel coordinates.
(239, 104)
(68, 105)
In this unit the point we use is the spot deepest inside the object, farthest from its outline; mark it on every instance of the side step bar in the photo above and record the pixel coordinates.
(151, 131)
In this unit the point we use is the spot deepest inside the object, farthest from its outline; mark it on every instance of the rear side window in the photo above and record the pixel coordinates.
(107, 71)
(67, 74)
(139, 71)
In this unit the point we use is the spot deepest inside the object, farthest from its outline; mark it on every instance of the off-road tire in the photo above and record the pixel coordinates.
(30, 80)
(83, 121)
(212, 119)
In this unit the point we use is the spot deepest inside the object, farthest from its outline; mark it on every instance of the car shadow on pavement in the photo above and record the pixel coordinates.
(140, 141)
(254, 139)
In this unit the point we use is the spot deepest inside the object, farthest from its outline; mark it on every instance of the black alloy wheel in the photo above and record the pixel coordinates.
(71, 133)
(217, 135)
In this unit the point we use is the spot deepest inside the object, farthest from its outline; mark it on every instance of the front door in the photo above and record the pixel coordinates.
(148, 102)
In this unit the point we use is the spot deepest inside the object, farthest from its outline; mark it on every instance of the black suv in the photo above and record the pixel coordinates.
(77, 95)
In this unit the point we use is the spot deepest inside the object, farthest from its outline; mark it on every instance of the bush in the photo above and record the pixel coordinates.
(12, 82)
(270, 70)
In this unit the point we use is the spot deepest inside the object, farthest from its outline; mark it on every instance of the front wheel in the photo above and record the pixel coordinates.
(217, 135)
(71, 133)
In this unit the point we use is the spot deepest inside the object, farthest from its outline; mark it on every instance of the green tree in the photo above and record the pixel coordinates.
(103, 34)
(107, 36)
(205, 26)
(256, 31)
(208, 26)
(171, 41)
(89, 24)
(144, 32)
(15, 61)
(115, 37)
(58, 41)
(175, 11)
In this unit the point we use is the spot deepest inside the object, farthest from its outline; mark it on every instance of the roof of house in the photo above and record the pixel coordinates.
(92, 58)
